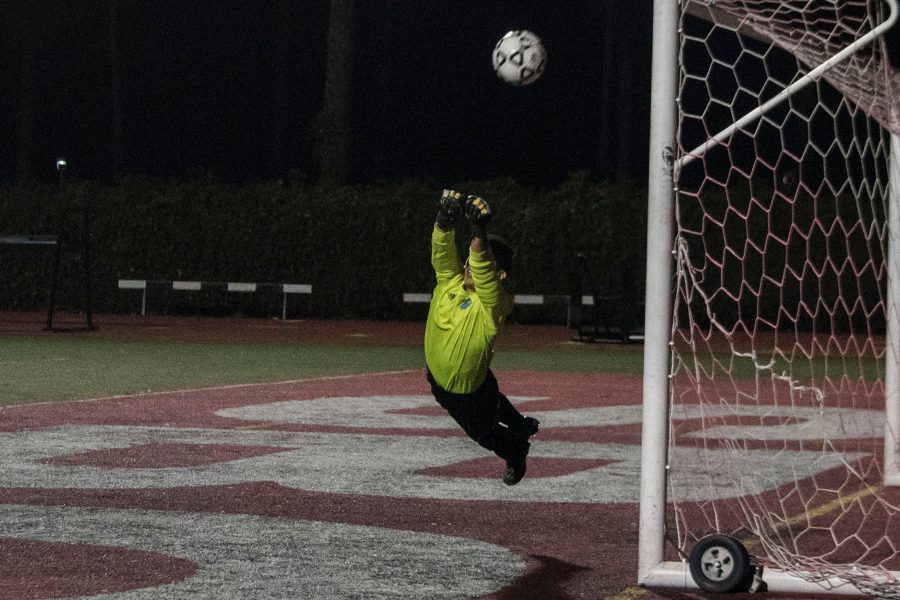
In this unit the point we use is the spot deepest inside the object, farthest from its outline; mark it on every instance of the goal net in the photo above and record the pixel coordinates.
(780, 355)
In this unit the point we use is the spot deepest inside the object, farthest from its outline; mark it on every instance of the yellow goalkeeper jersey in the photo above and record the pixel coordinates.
(462, 325)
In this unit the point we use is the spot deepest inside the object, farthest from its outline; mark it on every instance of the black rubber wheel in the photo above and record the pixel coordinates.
(720, 563)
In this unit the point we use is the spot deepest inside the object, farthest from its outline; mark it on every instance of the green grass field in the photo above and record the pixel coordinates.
(39, 367)
(63, 367)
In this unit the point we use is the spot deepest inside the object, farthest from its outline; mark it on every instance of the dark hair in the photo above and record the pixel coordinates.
(502, 251)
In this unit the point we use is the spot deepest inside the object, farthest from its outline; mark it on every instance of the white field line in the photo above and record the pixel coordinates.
(15, 361)
(213, 388)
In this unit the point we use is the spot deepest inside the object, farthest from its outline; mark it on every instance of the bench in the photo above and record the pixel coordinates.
(285, 289)
(604, 321)
(54, 243)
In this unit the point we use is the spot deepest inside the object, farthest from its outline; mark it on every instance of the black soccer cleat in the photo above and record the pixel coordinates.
(516, 466)
(528, 428)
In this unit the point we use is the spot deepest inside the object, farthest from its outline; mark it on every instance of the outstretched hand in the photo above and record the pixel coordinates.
(478, 211)
(450, 209)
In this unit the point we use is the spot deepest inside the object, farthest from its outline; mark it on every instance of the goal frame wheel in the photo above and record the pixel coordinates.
(720, 563)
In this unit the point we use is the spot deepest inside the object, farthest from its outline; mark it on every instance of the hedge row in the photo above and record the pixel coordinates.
(361, 247)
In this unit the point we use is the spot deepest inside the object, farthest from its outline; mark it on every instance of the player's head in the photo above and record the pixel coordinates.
(502, 257)
(503, 253)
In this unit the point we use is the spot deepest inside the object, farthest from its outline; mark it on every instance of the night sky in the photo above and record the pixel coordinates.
(234, 88)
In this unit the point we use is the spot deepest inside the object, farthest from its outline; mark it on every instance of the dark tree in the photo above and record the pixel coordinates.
(26, 97)
(117, 134)
(280, 83)
(335, 119)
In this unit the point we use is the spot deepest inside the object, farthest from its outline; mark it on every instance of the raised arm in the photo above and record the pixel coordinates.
(482, 266)
(444, 257)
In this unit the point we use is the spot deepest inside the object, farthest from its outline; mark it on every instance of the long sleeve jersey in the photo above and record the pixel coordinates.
(462, 325)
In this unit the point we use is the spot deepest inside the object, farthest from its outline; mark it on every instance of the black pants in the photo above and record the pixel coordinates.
(486, 415)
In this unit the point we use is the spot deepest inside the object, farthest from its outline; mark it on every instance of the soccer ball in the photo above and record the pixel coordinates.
(519, 57)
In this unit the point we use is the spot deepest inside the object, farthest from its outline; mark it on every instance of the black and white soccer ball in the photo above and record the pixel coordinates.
(519, 57)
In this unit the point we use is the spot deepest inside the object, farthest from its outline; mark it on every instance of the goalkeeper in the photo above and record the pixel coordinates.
(467, 308)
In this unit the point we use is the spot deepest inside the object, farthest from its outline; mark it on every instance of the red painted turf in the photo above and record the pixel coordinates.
(34, 570)
(538, 467)
(156, 456)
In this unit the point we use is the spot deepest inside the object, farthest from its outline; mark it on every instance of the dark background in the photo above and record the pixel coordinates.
(235, 88)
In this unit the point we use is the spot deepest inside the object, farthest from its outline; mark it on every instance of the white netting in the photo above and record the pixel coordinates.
(777, 415)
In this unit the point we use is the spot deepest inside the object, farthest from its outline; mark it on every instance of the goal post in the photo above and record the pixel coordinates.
(658, 314)
(771, 394)
(892, 342)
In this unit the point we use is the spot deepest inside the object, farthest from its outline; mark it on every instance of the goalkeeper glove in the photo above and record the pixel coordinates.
(478, 214)
(450, 209)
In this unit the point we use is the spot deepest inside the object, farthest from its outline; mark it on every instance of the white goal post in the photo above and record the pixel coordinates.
(774, 228)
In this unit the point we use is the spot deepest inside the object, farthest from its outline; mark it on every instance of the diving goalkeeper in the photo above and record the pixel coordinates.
(468, 306)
